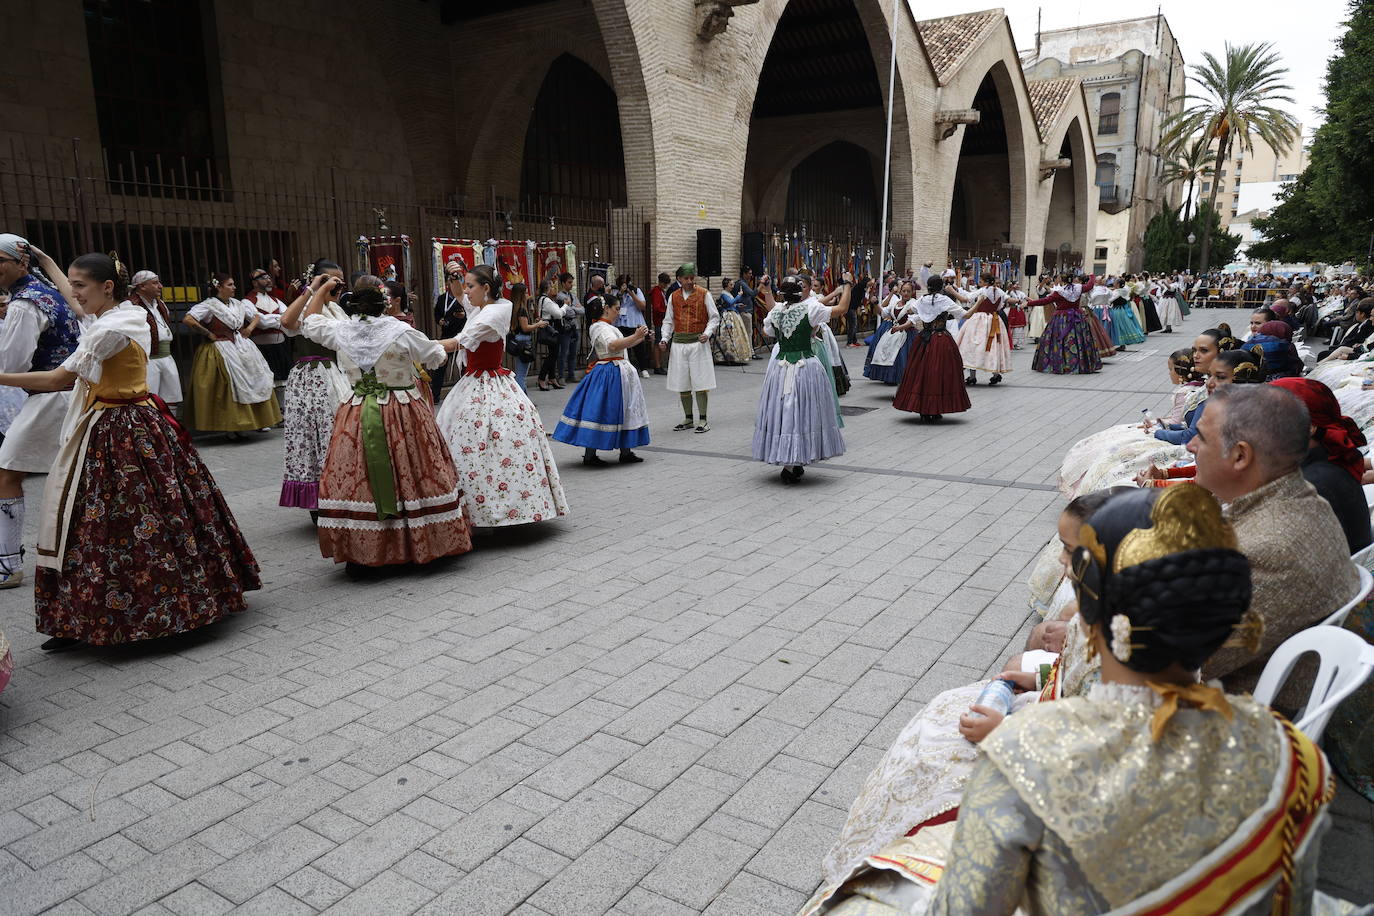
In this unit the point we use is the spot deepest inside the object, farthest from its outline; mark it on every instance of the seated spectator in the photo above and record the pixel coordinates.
(1250, 446)
(1334, 463)
(1281, 359)
(1356, 337)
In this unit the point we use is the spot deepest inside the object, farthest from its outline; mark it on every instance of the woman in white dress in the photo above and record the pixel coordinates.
(505, 465)
(231, 383)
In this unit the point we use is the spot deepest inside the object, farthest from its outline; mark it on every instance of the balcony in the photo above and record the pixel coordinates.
(1112, 198)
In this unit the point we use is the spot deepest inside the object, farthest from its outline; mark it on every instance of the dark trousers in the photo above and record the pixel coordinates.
(436, 381)
(548, 368)
(639, 353)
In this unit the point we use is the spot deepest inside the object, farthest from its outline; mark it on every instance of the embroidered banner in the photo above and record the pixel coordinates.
(466, 253)
(513, 265)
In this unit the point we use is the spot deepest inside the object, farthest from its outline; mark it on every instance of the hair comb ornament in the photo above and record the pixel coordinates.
(1183, 518)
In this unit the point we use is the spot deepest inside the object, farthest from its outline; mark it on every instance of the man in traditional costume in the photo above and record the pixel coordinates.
(163, 378)
(39, 333)
(690, 321)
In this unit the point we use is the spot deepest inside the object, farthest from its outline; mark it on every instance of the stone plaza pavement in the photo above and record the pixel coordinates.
(663, 704)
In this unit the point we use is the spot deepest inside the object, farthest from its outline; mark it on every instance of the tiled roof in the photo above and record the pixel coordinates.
(950, 39)
(1048, 97)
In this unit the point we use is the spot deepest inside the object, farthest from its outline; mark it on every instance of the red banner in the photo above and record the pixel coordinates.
(387, 260)
(513, 266)
(550, 259)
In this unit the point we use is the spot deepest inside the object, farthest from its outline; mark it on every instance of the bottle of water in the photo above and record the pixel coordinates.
(1149, 416)
(996, 695)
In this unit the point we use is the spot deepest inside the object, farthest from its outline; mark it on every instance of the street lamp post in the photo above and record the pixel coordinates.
(1192, 237)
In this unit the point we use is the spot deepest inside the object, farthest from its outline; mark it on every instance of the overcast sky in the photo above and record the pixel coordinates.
(1305, 32)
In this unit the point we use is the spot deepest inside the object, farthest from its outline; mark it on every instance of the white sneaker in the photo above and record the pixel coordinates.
(643, 373)
(12, 580)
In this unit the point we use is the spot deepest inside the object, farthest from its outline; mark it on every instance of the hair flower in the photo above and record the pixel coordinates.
(1121, 637)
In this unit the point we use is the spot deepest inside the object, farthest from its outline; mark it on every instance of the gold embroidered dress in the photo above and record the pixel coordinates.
(1075, 809)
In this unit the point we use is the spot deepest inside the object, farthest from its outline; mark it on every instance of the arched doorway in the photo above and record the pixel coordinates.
(980, 213)
(1061, 235)
(817, 133)
(567, 155)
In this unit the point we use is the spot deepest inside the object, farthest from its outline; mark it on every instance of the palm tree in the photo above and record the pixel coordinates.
(1191, 161)
(1235, 102)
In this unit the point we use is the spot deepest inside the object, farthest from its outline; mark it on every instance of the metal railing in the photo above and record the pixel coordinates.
(165, 218)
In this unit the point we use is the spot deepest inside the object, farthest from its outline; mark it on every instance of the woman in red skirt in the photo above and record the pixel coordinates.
(933, 383)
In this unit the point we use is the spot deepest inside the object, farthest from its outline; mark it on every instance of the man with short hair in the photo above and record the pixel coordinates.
(39, 333)
(690, 321)
(449, 318)
(1250, 445)
(572, 328)
(145, 290)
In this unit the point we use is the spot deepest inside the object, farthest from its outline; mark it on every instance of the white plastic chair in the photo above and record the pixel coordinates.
(1338, 616)
(1345, 662)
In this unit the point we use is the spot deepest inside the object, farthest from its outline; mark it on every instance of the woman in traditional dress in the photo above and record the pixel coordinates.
(920, 779)
(315, 388)
(1151, 794)
(1067, 345)
(798, 421)
(1121, 452)
(1126, 331)
(1016, 315)
(1148, 314)
(1115, 443)
(891, 310)
(136, 541)
(607, 411)
(389, 492)
(1162, 292)
(1101, 338)
(1039, 315)
(983, 340)
(506, 468)
(933, 383)
(231, 383)
(732, 337)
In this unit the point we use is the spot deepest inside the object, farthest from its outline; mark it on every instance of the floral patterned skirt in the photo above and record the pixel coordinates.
(152, 548)
(430, 521)
(732, 342)
(1067, 346)
(309, 402)
(505, 465)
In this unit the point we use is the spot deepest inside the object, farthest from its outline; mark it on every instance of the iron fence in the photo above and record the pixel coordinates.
(166, 218)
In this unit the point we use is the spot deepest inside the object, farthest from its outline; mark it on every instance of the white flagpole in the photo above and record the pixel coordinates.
(887, 156)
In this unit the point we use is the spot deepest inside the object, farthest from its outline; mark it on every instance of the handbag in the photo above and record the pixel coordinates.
(519, 349)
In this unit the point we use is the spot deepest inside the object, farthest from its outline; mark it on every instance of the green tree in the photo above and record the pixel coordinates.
(1166, 239)
(1234, 104)
(1189, 162)
(1328, 213)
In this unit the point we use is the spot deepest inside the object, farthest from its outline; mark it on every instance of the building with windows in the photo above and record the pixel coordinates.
(1250, 180)
(1133, 76)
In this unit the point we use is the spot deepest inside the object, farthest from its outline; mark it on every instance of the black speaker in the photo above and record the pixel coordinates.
(1032, 265)
(752, 245)
(708, 253)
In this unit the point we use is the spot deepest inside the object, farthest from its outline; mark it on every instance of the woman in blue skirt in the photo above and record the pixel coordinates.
(607, 411)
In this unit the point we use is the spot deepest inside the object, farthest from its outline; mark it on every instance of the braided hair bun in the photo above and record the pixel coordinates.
(1159, 573)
